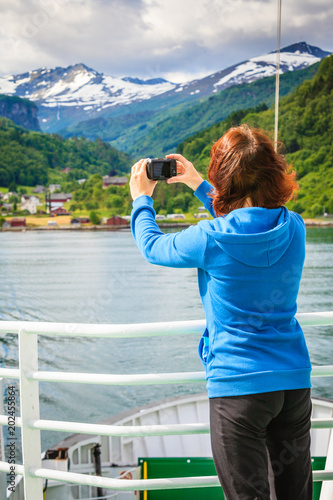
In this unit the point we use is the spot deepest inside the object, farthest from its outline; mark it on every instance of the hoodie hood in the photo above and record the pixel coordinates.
(254, 236)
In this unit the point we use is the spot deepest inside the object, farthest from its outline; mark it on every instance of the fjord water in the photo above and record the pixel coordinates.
(100, 277)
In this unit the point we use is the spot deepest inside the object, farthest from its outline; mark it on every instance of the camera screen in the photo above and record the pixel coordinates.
(161, 169)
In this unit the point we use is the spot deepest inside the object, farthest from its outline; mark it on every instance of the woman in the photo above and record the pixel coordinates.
(249, 260)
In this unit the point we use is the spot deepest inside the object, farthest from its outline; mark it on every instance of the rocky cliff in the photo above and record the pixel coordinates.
(21, 111)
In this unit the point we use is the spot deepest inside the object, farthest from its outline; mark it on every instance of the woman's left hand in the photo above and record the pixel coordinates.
(139, 183)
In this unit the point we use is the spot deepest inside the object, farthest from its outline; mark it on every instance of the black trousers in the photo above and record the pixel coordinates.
(247, 431)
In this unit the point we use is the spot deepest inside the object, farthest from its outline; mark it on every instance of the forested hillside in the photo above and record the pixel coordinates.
(305, 129)
(30, 158)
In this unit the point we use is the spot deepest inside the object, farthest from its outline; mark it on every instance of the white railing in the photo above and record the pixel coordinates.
(31, 424)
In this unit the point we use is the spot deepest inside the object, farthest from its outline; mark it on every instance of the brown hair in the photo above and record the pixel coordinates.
(244, 164)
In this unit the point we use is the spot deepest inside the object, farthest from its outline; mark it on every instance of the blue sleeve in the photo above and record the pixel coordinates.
(183, 249)
(202, 193)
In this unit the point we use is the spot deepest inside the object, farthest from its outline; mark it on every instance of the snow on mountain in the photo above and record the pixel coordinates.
(293, 57)
(69, 95)
(79, 85)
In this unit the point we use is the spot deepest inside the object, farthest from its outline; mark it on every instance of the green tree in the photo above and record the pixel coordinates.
(115, 201)
(12, 187)
(95, 218)
(91, 205)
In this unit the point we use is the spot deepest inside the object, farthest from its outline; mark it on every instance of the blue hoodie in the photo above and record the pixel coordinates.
(249, 269)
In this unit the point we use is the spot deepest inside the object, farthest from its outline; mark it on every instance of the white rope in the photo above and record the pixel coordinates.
(277, 78)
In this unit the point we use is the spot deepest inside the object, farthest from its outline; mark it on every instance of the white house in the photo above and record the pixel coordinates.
(7, 206)
(54, 187)
(175, 216)
(6, 196)
(26, 197)
(201, 216)
(30, 203)
(39, 189)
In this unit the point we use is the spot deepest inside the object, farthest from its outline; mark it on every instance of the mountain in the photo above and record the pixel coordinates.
(155, 126)
(305, 129)
(21, 111)
(79, 85)
(296, 56)
(164, 136)
(144, 133)
(77, 91)
(67, 96)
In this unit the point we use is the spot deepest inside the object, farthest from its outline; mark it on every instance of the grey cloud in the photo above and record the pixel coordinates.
(124, 37)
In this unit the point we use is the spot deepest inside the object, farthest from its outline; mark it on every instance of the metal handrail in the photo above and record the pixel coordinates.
(134, 430)
(134, 484)
(31, 424)
(324, 318)
(135, 379)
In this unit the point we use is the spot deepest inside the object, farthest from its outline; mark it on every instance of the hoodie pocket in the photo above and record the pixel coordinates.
(203, 347)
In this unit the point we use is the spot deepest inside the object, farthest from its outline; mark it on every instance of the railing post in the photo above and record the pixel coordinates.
(327, 486)
(2, 447)
(29, 398)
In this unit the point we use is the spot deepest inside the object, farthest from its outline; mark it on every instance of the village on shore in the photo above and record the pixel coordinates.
(49, 208)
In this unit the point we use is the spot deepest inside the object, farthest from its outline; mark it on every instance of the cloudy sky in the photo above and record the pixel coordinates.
(175, 39)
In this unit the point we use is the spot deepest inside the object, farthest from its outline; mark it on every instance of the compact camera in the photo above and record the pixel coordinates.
(159, 169)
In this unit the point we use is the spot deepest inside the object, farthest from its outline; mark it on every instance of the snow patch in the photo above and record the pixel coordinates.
(7, 86)
(263, 66)
(83, 90)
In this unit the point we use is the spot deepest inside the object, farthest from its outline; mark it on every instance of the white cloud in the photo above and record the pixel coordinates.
(149, 38)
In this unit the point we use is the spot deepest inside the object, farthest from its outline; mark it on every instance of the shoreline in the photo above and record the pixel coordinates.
(86, 228)
(308, 223)
(319, 223)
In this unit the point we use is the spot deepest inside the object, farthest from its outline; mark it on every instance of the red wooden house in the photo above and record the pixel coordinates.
(116, 221)
(60, 211)
(18, 222)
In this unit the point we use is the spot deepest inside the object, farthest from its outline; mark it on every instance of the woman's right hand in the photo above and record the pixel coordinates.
(186, 173)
